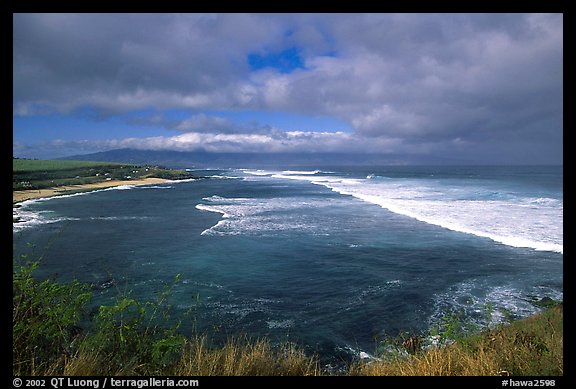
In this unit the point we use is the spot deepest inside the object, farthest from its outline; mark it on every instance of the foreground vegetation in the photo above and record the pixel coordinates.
(41, 174)
(529, 347)
(126, 338)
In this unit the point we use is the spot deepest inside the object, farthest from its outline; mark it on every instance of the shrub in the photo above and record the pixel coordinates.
(44, 319)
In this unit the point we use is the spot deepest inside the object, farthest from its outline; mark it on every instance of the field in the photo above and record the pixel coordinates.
(35, 165)
(41, 174)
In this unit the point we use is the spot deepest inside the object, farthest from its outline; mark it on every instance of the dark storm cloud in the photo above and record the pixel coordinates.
(442, 75)
(430, 83)
(123, 62)
(202, 123)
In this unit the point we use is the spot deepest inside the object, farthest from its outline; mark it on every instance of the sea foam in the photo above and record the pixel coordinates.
(512, 219)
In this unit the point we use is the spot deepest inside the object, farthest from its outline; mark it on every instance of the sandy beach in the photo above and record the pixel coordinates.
(22, 195)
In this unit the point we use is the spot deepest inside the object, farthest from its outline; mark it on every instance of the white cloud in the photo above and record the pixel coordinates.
(275, 141)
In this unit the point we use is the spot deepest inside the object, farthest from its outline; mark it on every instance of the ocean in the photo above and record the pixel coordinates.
(335, 259)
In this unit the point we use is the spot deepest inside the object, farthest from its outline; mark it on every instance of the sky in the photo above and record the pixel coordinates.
(464, 88)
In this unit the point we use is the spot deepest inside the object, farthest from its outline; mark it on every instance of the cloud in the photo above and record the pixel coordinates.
(457, 149)
(278, 141)
(419, 78)
(204, 123)
(121, 62)
(156, 119)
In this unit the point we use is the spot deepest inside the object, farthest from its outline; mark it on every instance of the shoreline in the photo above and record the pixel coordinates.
(31, 194)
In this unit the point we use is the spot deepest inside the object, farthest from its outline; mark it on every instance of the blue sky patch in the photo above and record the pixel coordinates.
(285, 61)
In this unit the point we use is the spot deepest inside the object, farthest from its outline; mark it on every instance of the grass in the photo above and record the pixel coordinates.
(242, 356)
(41, 174)
(528, 347)
(238, 357)
(31, 165)
(130, 337)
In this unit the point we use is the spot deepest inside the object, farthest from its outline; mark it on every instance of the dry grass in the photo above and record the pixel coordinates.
(240, 357)
(533, 346)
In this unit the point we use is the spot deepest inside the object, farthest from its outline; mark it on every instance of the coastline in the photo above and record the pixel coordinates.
(23, 195)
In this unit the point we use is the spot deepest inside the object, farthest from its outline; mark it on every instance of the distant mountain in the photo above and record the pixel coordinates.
(203, 159)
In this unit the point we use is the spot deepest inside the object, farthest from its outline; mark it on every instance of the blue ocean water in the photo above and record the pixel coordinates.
(333, 259)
